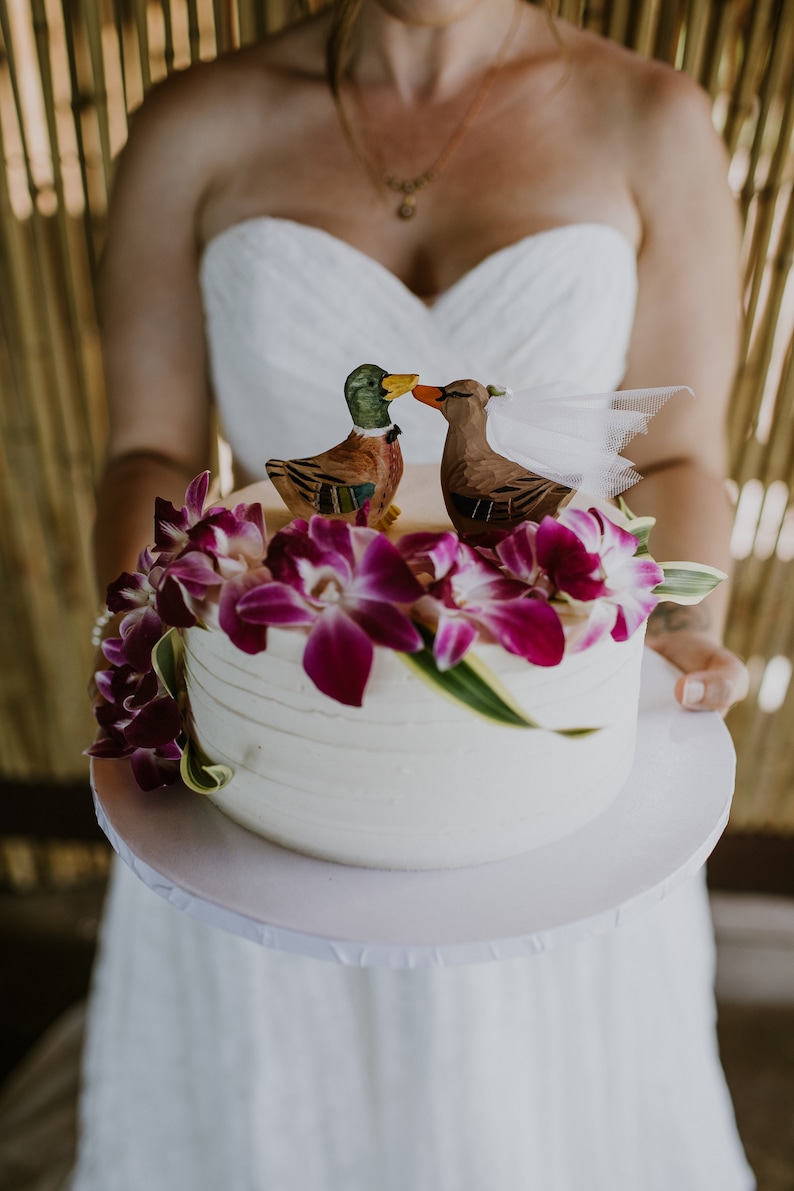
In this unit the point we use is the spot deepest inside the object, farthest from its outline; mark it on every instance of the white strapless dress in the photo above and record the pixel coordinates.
(214, 1064)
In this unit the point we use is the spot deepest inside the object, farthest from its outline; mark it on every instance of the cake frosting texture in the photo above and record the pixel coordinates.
(411, 780)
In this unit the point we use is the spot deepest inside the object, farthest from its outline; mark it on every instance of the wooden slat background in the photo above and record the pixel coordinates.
(70, 70)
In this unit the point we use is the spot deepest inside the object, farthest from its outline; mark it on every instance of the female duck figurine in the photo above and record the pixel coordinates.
(512, 457)
(367, 466)
(483, 490)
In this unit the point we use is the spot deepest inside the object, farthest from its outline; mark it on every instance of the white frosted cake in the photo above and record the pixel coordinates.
(410, 780)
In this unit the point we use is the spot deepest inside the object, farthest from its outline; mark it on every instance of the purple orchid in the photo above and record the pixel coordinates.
(171, 525)
(234, 538)
(626, 597)
(341, 582)
(220, 546)
(139, 631)
(140, 722)
(137, 589)
(137, 719)
(469, 596)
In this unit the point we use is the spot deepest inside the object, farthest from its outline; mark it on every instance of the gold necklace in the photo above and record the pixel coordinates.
(408, 188)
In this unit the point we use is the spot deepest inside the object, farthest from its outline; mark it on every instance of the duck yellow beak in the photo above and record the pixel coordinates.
(429, 395)
(397, 384)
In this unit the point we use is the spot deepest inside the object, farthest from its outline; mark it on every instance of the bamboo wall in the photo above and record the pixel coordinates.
(70, 70)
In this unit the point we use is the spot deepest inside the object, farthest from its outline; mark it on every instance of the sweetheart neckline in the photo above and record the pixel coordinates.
(523, 242)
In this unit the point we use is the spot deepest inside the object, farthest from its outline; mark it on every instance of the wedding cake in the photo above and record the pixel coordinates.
(410, 779)
(397, 699)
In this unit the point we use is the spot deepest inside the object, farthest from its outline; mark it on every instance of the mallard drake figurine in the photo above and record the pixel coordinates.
(367, 466)
(512, 457)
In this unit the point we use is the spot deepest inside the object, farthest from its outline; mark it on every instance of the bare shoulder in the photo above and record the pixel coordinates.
(196, 123)
(660, 113)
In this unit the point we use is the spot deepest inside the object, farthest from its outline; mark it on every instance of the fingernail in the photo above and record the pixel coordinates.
(694, 690)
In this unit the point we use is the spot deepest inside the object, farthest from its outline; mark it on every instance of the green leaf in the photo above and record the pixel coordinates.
(687, 582)
(640, 527)
(474, 685)
(197, 771)
(167, 661)
(200, 774)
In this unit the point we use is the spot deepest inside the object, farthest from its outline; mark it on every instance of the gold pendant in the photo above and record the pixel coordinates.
(407, 208)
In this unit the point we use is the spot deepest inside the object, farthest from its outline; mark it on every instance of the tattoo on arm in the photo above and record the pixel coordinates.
(676, 618)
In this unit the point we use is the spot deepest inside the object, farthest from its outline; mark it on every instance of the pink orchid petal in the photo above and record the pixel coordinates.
(634, 573)
(632, 610)
(130, 590)
(293, 557)
(332, 536)
(112, 716)
(274, 603)
(155, 724)
(196, 495)
(360, 538)
(614, 537)
(586, 526)
(599, 624)
(338, 657)
(248, 637)
(145, 690)
(140, 634)
(170, 527)
(382, 574)
(145, 561)
(454, 636)
(194, 571)
(529, 628)
(113, 650)
(429, 553)
(151, 772)
(105, 684)
(517, 552)
(255, 514)
(385, 625)
(108, 747)
(172, 604)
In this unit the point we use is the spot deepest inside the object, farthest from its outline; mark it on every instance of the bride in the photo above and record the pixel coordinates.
(455, 187)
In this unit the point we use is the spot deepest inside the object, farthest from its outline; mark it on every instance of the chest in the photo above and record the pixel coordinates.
(518, 168)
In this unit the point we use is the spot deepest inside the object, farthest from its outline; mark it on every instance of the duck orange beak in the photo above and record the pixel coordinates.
(397, 384)
(429, 395)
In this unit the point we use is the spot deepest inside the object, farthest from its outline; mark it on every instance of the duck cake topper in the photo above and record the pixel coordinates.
(512, 457)
(360, 475)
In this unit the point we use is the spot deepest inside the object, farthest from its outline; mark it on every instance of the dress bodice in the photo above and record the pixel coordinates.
(291, 310)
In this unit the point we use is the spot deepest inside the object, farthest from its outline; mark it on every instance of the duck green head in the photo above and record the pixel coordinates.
(369, 391)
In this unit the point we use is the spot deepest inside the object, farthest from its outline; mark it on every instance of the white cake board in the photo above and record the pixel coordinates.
(658, 832)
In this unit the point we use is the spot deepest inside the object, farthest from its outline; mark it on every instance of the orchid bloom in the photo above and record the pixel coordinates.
(341, 582)
(171, 525)
(137, 720)
(468, 594)
(625, 598)
(134, 591)
(221, 546)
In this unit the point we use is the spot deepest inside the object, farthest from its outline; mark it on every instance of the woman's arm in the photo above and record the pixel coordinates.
(151, 325)
(686, 333)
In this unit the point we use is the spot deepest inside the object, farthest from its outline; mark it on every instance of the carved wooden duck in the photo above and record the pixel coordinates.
(512, 457)
(483, 490)
(367, 466)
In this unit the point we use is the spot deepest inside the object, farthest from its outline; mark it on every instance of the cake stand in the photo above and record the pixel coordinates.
(657, 833)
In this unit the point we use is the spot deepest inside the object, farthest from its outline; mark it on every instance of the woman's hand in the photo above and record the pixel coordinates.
(713, 678)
